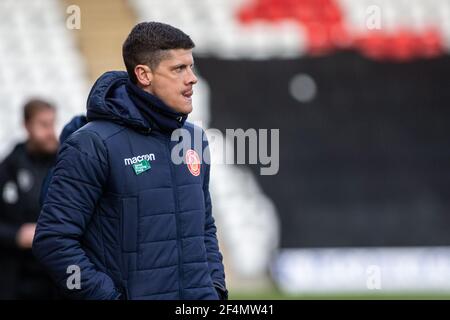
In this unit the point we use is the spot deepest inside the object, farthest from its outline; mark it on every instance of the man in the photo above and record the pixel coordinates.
(21, 175)
(121, 220)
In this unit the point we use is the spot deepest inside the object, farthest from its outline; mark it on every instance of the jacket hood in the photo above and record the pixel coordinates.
(109, 100)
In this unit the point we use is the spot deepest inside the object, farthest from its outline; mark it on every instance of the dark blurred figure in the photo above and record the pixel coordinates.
(21, 176)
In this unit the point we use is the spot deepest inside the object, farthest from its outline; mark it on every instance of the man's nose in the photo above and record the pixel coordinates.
(192, 79)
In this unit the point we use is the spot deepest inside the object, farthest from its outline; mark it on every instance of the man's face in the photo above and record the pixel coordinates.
(41, 132)
(173, 80)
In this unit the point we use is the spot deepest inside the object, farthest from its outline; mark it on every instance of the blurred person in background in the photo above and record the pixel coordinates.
(21, 176)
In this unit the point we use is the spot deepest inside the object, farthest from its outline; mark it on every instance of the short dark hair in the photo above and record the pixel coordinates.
(147, 42)
(34, 106)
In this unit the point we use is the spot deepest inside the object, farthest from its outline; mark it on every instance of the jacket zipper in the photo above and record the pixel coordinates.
(177, 224)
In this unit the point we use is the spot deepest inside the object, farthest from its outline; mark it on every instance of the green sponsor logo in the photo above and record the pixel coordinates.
(141, 166)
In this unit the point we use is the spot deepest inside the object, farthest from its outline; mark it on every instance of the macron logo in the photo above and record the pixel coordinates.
(134, 160)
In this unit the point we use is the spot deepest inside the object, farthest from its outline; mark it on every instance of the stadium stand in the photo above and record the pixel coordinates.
(39, 58)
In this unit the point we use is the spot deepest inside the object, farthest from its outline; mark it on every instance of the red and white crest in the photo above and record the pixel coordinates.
(193, 162)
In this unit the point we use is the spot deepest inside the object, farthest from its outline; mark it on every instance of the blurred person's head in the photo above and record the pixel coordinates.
(158, 58)
(39, 119)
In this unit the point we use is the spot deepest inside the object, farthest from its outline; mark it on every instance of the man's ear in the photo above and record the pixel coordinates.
(143, 75)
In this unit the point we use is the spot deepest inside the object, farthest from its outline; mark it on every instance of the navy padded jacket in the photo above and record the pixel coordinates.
(133, 236)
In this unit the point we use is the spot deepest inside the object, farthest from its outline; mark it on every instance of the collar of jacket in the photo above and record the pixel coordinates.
(154, 110)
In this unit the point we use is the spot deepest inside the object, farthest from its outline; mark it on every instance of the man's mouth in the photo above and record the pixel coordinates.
(188, 94)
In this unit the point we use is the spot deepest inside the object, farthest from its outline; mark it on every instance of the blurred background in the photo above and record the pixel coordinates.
(359, 90)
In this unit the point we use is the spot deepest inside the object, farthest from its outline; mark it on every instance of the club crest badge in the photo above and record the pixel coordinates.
(193, 162)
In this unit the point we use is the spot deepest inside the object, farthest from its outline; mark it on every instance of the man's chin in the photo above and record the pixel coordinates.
(49, 149)
(42, 148)
(185, 109)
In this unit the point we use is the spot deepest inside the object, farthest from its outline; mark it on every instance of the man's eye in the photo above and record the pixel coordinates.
(179, 69)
